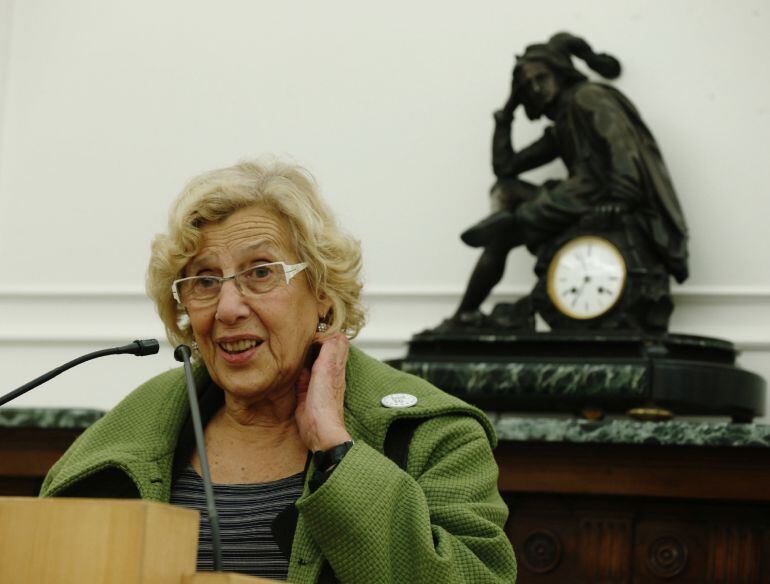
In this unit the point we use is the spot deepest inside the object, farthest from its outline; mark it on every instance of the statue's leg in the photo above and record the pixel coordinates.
(508, 193)
(551, 212)
(499, 235)
(487, 273)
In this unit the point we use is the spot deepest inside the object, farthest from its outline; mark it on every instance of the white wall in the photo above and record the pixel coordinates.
(109, 107)
(6, 11)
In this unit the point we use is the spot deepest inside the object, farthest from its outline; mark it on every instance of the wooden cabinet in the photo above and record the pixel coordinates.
(580, 513)
(604, 513)
(591, 540)
(26, 454)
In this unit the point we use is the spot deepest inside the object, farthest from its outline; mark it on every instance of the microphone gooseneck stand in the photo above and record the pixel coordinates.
(139, 348)
(182, 353)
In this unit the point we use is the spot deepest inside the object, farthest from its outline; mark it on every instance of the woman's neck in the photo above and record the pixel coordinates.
(253, 442)
(268, 424)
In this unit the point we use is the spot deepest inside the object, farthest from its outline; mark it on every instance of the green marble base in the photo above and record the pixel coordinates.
(510, 427)
(495, 382)
(576, 372)
(48, 418)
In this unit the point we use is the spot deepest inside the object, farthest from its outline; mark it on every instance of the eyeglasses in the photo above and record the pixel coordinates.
(200, 291)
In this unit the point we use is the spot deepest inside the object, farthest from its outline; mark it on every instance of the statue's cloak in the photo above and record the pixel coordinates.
(611, 157)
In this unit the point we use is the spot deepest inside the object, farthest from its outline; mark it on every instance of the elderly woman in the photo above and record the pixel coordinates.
(255, 274)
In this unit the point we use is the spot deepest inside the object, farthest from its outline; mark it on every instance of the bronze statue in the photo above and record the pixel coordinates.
(608, 239)
(614, 168)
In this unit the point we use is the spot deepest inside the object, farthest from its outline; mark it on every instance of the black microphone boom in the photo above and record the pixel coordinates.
(140, 348)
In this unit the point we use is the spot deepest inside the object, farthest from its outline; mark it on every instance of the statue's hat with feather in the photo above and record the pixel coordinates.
(560, 49)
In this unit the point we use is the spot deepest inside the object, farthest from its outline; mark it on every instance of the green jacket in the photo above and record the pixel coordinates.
(442, 521)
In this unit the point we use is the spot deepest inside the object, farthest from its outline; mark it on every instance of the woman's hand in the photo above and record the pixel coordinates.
(321, 395)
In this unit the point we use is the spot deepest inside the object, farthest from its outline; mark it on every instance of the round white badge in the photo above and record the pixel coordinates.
(399, 400)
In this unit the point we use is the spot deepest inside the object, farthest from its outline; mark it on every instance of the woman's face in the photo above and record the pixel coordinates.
(253, 345)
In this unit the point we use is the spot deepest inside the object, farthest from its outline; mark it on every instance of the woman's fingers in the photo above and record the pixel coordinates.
(321, 395)
(328, 371)
(303, 383)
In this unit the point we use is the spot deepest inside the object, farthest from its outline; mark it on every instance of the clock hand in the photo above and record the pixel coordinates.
(586, 279)
(583, 262)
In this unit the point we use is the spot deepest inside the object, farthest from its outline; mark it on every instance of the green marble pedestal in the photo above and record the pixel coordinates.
(516, 428)
(581, 372)
(51, 418)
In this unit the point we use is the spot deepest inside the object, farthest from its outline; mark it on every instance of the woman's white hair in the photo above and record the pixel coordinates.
(333, 256)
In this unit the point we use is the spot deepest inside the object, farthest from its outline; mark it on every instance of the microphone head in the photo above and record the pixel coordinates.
(140, 348)
(146, 347)
(181, 352)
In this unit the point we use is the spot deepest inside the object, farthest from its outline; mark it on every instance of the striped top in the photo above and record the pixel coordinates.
(246, 513)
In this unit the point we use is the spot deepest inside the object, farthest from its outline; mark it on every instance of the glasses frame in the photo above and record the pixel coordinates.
(289, 271)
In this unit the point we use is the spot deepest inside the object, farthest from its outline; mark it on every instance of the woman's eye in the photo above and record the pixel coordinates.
(258, 272)
(205, 283)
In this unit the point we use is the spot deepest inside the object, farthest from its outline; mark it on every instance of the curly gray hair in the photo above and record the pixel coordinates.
(332, 255)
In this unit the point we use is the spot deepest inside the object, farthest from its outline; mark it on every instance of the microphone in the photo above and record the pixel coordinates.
(182, 353)
(140, 348)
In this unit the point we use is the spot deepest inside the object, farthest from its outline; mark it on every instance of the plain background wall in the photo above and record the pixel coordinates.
(109, 107)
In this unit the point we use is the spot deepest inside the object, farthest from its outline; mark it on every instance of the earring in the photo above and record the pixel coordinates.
(322, 327)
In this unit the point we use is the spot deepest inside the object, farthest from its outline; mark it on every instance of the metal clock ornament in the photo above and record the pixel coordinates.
(617, 189)
(586, 277)
(608, 238)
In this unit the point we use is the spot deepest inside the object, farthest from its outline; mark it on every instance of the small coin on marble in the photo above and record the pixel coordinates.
(399, 400)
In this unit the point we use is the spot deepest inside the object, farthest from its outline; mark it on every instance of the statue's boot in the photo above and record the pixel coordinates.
(464, 321)
(495, 227)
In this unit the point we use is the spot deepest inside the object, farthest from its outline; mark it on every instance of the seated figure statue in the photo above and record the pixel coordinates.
(611, 157)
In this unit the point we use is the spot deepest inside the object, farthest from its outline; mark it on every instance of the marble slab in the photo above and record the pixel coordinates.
(507, 381)
(510, 427)
(48, 418)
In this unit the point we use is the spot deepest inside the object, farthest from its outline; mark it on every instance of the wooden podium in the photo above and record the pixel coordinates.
(101, 541)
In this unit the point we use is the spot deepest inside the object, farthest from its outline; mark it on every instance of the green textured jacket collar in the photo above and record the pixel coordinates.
(139, 436)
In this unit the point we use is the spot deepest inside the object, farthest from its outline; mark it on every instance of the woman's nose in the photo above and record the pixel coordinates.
(231, 305)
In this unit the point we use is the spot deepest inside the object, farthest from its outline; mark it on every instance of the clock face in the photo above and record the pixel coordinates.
(586, 277)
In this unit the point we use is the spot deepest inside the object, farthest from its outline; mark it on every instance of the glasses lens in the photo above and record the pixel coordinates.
(203, 290)
(200, 289)
(261, 279)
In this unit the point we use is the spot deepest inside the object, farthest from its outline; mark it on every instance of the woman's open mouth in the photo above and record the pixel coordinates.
(241, 346)
(240, 350)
